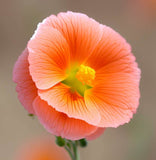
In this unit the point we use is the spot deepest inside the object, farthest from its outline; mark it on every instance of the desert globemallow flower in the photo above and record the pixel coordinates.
(77, 76)
(143, 9)
(41, 149)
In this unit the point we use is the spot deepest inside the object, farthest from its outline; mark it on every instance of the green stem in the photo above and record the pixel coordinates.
(75, 150)
(70, 146)
(70, 153)
(72, 150)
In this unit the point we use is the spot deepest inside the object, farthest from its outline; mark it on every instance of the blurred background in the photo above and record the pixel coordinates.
(133, 19)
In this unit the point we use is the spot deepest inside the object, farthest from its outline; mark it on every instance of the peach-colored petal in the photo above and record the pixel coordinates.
(112, 47)
(25, 86)
(48, 57)
(116, 96)
(96, 134)
(81, 32)
(59, 123)
(119, 84)
(111, 116)
(116, 86)
(124, 65)
(71, 103)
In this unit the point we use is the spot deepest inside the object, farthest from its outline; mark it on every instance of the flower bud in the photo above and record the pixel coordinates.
(83, 142)
(60, 141)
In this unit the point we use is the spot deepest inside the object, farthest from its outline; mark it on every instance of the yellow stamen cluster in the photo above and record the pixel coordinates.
(80, 78)
(86, 75)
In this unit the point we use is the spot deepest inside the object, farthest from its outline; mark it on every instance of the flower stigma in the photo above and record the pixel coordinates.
(80, 79)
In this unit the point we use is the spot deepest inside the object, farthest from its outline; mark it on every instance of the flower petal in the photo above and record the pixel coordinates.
(96, 134)
(59, 123)
(111, 47)
(81, 32)
(48, 57)
(26, 88)
(116, 96)
(111, 116)
(71, 103)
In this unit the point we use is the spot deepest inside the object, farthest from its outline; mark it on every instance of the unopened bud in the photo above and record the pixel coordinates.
(83, 142)
(60, 141)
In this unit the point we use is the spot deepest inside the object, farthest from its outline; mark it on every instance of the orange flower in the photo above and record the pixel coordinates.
(77, 76)
(41, 149)
(145, 9)
(148, 6)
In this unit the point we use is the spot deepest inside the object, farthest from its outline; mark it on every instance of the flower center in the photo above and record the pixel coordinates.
(80, 79)
(85, 75)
